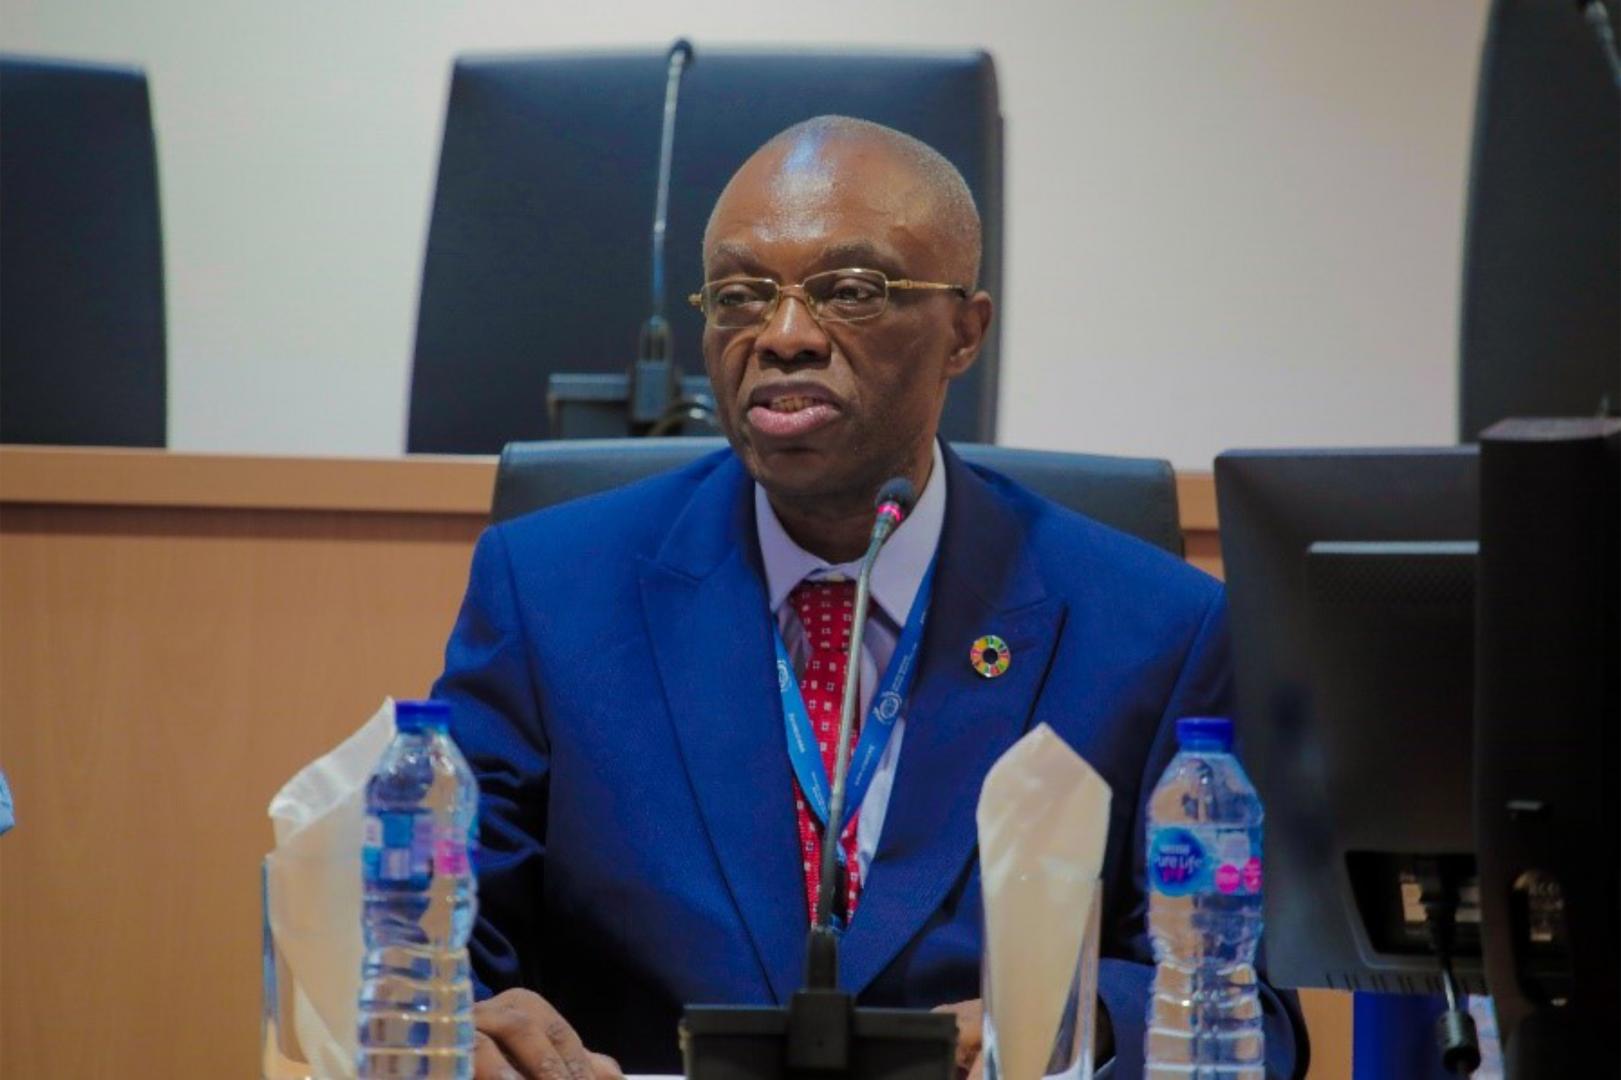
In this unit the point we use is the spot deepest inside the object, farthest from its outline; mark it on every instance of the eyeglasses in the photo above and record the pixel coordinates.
(832, 296)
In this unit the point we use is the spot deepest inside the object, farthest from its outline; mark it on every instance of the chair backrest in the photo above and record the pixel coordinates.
(1134, 495)
(1540, 333)
(81, 257)
(538, 258)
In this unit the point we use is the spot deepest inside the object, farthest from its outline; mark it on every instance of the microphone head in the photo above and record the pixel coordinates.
(682, 46)
(896, 497)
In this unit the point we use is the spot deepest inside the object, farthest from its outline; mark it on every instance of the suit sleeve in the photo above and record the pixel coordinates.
(496, 721)
(1125, 973)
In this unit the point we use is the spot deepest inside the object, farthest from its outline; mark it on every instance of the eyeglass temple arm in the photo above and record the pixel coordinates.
(907, 283)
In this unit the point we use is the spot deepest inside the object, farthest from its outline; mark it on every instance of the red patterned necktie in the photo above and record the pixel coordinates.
(826, 610)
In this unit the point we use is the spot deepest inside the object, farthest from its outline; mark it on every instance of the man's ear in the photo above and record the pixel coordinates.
(973, 319)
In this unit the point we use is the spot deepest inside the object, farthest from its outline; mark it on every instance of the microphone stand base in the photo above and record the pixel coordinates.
(820, 1035)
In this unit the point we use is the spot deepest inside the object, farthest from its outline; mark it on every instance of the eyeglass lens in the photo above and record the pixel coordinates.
(836, 295)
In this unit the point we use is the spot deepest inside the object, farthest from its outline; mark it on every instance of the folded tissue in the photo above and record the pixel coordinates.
(1043, 826)
(312, 898)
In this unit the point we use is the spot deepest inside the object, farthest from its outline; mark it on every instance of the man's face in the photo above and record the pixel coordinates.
(830, 410)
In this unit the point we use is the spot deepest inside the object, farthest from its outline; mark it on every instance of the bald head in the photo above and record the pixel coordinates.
(826, 159)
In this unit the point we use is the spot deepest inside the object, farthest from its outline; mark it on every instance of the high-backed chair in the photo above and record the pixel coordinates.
(81, 257)
(538, 258)
(1134, 495)
(1540, 333)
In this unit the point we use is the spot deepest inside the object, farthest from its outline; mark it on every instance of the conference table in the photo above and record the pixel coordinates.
(179, 634)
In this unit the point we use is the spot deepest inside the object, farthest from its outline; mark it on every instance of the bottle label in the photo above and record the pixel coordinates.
(450, 851)
(1183, 860)
(398, 849)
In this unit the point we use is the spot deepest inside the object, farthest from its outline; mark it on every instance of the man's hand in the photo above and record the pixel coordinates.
(521, 1037)
(970, 1020)
(971, 1037)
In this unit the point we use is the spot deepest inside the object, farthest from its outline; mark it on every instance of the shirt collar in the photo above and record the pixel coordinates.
(898, 574)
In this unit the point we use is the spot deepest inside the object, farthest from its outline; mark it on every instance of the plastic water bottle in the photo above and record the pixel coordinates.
(1204, 912)
(416, 995)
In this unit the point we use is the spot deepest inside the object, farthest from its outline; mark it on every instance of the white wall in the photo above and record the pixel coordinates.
(1232, 223)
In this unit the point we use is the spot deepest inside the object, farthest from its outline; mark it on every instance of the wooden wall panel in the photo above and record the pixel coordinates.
(162, 673)
(178, 635)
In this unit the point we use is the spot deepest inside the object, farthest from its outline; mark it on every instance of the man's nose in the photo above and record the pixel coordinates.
(792, 334)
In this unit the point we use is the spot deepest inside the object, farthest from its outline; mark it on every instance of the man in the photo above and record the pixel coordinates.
(648, 840)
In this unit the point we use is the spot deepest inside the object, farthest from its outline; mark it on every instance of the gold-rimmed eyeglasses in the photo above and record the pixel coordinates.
(853, 295)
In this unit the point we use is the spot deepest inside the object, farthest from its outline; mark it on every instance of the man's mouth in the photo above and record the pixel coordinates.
(790, 415)
(793, 404)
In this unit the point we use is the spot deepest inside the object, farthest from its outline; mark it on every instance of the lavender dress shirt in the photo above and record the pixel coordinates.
(896, 578)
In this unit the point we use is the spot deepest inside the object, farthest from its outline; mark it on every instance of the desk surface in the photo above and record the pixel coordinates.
(94, 476)
(427, 483)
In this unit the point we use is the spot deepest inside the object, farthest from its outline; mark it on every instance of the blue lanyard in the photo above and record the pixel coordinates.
(803, 751)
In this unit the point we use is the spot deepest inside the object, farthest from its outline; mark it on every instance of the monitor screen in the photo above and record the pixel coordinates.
(1351, 581)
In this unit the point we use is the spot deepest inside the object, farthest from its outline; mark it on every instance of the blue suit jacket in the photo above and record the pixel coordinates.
(612, 679)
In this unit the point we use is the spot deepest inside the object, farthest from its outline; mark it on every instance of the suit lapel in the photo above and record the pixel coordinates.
(710, 627)
(958, 722)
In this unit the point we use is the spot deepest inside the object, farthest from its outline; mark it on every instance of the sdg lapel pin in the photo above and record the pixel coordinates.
(990, 656)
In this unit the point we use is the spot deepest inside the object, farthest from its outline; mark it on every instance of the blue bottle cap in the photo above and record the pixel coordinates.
(1205, 733)
(417, 715)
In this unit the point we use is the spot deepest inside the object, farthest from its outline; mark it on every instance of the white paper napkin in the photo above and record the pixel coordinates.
(1043, 826)
(314, 892)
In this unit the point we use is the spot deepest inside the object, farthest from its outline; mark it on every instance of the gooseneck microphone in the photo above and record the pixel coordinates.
(656, 333)
(656, 405)
(895, 500)
(1603, 26)
(820, 1031)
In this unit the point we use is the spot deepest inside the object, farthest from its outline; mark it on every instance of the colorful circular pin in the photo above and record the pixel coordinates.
(990, 656)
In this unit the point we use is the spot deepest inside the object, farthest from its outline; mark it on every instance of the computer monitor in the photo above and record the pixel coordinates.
(1548, 740)
(1351, 584)
(1541, 299)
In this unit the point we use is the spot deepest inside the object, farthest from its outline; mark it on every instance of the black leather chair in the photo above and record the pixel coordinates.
(1134, 495)
(538, 258)
(81, 257)
(1541, 304)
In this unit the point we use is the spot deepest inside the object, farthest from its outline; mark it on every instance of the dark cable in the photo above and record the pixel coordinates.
(1455, 1030)
(681, 412)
